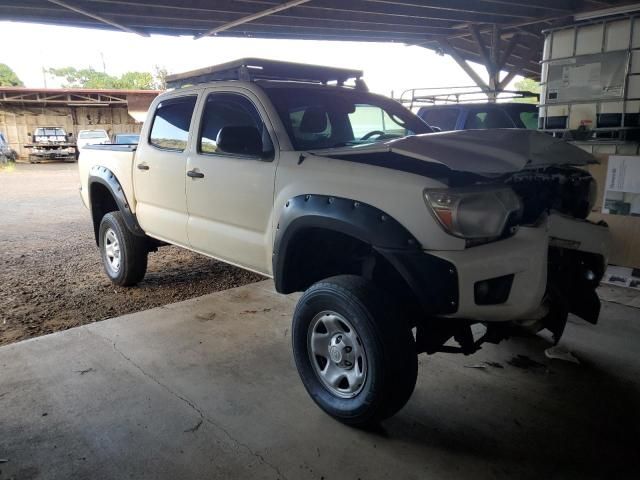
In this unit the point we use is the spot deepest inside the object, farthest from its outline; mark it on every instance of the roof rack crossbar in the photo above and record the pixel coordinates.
(251, 69)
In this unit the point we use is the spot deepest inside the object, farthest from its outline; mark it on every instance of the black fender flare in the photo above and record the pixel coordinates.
(371, 225)
(105, 177)
(351, 217)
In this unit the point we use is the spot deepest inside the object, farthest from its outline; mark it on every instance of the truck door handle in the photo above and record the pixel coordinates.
(195, 174)
(142, 166)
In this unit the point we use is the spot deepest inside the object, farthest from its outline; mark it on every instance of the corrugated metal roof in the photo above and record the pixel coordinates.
(466, 27)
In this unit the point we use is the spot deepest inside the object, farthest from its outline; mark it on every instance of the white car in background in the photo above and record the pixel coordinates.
(92, 137)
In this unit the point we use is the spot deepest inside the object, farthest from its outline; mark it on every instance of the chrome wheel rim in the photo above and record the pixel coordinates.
(112, 251)
(337, 354)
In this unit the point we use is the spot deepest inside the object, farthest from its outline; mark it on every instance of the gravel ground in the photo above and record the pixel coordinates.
(51, 277)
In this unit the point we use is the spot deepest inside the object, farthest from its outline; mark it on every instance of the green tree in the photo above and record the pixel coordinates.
(136, 81)
(8, 77)
(527, 85)
(160, 77)
(90, 78)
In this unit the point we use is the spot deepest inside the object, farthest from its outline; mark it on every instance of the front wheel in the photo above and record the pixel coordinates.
(124, 255)
(356, 359)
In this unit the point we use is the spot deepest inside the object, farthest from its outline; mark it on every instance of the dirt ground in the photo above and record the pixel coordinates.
(51, 277)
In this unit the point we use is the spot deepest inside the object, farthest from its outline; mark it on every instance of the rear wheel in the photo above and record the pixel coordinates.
(124, 255)
(356, 359)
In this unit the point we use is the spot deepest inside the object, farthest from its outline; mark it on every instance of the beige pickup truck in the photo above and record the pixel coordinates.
(401, 238)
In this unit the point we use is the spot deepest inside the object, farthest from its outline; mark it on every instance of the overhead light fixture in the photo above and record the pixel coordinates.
(607, 12)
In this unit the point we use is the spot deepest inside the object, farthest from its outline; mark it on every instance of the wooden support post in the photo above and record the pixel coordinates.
(523, 62)
(450, 50)
(492, 67)
(491, 58)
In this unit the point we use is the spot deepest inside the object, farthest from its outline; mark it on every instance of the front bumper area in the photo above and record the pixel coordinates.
(510, 279)
(523, 256)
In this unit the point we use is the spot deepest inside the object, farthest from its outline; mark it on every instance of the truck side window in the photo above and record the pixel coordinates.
(170, 129)
(443, 118)
(229, 110)
(529, 119)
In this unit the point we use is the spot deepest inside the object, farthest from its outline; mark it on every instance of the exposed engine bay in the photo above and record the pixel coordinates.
(567, 190)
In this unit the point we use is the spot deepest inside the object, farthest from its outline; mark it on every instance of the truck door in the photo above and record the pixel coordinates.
(230, 180)
(159, 171)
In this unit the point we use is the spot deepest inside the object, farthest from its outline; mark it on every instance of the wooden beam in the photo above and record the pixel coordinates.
(495, 46)
(250, 18)
(100, 18)
(511, 75)
(492, 66)
(450, 50)
(513, 43)
(477, 36)
(506, 28)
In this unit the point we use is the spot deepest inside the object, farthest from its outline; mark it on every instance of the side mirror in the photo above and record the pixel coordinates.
(30, 134)
(243, 140)
(69, 134)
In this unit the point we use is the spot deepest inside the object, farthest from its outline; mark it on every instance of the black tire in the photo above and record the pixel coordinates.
(132, 251)
(391, 358)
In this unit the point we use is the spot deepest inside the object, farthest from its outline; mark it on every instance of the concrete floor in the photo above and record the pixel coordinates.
(207, 388)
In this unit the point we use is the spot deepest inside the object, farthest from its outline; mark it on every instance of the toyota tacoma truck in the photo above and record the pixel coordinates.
(400, 238)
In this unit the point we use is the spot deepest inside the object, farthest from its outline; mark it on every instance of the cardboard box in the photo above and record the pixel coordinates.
(625, 230)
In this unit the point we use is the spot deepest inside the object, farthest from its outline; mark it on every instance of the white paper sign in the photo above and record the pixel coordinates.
(622, 188)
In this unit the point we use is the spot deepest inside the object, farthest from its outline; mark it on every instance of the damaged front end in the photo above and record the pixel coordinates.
(526, 263)
(577, 255)
(572, 279)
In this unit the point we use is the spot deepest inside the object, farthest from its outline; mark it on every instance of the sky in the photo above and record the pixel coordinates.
(387, 67)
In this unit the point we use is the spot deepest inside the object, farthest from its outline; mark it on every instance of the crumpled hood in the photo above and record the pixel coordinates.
(490, 152)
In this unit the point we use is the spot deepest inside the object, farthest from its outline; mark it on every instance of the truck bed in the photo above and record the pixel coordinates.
(117, 158)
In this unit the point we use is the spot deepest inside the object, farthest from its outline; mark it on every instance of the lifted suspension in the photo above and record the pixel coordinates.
(433, 334)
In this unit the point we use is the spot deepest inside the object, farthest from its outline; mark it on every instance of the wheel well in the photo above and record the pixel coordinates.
(317, 253)
(102, 202)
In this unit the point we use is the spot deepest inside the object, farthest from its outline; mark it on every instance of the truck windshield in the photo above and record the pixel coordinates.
(50, 132)
(317, 118)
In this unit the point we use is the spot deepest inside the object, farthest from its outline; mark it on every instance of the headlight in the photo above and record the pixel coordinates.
(475, 212)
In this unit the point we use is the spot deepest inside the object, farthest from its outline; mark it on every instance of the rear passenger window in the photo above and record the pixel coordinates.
(443, 118)
(170, 129)
(230, 110)
(488, 119)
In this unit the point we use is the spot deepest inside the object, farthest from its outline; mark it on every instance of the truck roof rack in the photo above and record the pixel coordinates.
(251, 69)
(421, 97)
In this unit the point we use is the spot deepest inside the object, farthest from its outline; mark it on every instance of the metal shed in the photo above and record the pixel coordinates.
(116, 111)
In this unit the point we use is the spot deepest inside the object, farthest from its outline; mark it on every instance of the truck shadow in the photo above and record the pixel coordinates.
(551, 419)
